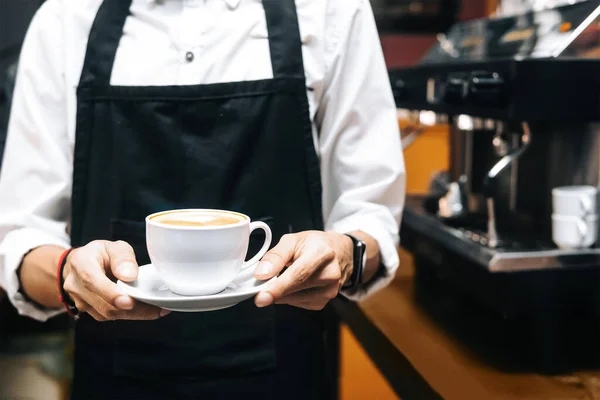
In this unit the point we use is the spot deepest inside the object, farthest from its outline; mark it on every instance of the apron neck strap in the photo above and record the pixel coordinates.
(282, 24)
(284, 38)
(103, 41)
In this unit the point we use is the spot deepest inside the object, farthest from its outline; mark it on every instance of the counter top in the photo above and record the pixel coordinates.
(421, 361)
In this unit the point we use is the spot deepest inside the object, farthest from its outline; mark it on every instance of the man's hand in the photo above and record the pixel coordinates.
(88, 280)
(319, 263)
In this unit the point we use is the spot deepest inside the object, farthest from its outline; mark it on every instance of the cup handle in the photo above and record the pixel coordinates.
(582, 229)
(586, 204)
(268, 237)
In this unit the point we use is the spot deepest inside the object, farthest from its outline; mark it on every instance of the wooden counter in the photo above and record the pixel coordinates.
(421, 361)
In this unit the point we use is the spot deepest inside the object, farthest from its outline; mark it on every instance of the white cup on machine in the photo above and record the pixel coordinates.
(575, 216)
(576, 201)
(570, 232)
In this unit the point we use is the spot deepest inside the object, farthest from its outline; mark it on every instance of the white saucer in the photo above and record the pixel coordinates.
(149, 288)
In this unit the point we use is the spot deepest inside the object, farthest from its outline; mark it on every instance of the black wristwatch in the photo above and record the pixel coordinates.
(360, 261)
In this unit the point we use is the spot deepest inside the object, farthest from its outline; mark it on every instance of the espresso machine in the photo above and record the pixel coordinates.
(521, 95)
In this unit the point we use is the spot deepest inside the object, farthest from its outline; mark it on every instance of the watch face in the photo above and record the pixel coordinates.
(363, 254)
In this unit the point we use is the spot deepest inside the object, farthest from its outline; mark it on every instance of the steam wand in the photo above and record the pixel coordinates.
(489, 187)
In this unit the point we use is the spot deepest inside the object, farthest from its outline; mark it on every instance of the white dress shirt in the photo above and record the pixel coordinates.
(355, 127)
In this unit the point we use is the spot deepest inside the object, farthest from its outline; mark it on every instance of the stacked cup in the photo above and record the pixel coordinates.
(575, 216)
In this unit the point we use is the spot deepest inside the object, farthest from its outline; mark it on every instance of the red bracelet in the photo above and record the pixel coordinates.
(63, 297)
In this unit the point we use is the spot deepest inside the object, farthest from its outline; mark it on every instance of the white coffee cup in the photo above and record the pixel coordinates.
(200, 251)
(577, 201)
(570, 232)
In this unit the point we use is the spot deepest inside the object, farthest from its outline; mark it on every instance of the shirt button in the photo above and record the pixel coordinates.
(189, 56)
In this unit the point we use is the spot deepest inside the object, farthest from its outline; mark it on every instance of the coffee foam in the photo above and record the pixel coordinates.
(200, 217)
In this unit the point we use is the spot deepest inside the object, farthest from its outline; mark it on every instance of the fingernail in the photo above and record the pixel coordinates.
(263, 299)
(164, 312)
(127, 270)
(263, 268)
(124, 302)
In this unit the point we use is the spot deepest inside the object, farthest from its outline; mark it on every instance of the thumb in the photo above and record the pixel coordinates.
(122, 261)
(276, 259)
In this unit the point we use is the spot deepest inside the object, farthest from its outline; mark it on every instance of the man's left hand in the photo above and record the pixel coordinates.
(318, 264)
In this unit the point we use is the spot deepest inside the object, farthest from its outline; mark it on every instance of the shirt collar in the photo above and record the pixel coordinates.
(233, 3)
(230, 3)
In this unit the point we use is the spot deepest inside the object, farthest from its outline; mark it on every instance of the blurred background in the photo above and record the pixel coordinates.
(498, 104)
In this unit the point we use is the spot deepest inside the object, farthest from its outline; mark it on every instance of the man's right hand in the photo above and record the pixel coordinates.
(89, 279)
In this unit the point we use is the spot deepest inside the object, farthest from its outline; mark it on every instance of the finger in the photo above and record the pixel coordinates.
(90, 277)
(276, 259)
(139, 311)
(297, 276)
(314, 295)
(143, 311)
(100, 306)
(122, 261)
(315, 282)
(285, 283)
(97, 304)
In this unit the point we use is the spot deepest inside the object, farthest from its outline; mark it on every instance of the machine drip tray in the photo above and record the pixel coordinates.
(515, 236)
(507, 242)
(518, 248)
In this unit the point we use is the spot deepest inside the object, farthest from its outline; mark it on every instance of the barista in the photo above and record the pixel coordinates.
(279, 110)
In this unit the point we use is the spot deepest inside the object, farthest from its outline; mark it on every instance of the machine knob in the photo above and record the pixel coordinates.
(455, 88)
(399, 89)
(486, 88)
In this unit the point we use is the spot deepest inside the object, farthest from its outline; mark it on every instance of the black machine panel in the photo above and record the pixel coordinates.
(538, 66)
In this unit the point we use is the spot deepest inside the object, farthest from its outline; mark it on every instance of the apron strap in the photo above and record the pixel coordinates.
(282, 24)
(103, 42)
(284, 38)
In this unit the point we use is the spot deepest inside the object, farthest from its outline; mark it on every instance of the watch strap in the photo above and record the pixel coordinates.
(359, 261)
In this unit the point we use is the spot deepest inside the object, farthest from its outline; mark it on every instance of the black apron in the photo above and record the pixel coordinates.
(242, 146)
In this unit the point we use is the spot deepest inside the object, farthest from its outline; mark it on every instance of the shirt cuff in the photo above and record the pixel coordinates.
(387, 241)
(15, 245)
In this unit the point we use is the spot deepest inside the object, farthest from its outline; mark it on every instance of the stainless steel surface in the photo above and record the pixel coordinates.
(592, 18)
(461, 152)
(537, 32)
(474, 148)
(513, 7)
(492, 233)
(451, 204)
(500, 145)
(514, 180)
(511, 157)
(473, 246)
(446, 45)
(490, 180)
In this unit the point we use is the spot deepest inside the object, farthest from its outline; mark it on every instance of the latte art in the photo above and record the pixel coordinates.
(196, 218)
